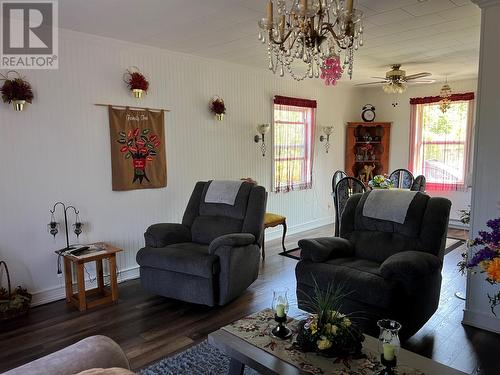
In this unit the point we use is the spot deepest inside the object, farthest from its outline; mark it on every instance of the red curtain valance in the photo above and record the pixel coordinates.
(436, 99)
(297, 102)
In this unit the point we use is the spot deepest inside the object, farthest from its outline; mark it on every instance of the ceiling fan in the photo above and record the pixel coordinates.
(396, 80)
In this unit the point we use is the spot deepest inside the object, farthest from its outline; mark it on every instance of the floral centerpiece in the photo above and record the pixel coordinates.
(327, 331)
(380, 182)
(16, 91)
(218, 107)
(136, 82)
(487, 258)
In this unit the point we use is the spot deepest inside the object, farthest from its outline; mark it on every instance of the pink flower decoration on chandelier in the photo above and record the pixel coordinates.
(331, 71)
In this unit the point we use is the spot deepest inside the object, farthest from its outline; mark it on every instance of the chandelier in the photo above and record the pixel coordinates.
(311, 32)
(445, 94)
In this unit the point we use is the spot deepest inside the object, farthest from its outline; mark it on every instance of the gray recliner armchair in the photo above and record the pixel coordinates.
(213, 256)
(389, 269)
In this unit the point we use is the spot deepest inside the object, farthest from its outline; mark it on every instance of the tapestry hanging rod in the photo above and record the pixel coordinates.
(131, 107)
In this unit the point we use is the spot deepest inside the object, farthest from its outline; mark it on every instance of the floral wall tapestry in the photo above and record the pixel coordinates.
(138, 158)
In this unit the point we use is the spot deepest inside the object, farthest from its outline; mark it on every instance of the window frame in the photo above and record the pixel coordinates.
(417, 142)
(308, 145)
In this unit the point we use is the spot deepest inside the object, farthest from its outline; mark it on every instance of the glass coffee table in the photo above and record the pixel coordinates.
(248, 343)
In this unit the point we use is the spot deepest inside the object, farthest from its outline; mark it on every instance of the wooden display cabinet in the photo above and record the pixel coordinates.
(367, 149)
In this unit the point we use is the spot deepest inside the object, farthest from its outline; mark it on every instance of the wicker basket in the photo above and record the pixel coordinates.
(12, 304)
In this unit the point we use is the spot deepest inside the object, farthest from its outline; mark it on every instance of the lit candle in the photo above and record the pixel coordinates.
(349, 6)
(280, 310)
(270, 13)
(389, 352)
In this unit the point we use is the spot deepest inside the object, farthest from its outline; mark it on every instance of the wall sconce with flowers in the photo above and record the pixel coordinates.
(218, 107)
(136, 82)
(262, 129)
(326, 138)
(16, 90)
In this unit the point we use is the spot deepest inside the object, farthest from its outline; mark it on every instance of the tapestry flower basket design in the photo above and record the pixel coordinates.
(137, 149)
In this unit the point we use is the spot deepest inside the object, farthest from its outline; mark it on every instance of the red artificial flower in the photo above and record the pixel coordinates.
(218, 107)
(16, 89)
(137, 80)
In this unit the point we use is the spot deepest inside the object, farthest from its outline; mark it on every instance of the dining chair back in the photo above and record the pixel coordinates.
(346, 187)
(402, 178)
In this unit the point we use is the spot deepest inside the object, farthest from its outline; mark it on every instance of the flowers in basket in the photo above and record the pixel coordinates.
(487, 258)
(380, 182)
(218, 107)
(327, 331)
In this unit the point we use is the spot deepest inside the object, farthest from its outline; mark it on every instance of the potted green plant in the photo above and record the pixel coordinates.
(327, 331)
(17, 91)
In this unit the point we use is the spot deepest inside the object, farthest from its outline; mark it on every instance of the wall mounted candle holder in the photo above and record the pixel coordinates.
(262, 129)
(326, 138)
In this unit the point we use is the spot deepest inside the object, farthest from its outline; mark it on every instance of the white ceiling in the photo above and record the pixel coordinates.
(438, 36)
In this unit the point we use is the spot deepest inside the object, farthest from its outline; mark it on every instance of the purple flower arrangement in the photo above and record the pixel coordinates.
(486, 258)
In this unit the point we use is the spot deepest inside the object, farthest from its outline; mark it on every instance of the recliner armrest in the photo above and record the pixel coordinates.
(164, 234)
(409, 266)
(321, 249)
(231, 240)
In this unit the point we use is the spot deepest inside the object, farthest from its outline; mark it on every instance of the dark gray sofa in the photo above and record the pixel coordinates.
(390, 270)
(213, 256)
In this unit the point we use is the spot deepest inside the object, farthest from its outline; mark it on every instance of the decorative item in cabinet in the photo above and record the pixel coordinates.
(367, 144)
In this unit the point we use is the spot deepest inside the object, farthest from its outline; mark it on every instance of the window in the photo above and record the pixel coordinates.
(292, 143)
(440, 142)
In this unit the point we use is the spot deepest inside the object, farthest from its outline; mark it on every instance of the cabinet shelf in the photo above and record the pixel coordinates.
(355, 133)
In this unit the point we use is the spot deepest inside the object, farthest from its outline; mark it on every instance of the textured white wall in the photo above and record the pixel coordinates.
(486, 194)
(400, 130)
(58, 149)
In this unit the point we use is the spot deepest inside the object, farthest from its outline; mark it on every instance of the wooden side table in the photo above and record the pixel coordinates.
(79, 299)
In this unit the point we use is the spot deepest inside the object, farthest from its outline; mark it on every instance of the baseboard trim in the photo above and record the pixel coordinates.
(481, 320)
(277, 232)
(58, 293)
(457, 224)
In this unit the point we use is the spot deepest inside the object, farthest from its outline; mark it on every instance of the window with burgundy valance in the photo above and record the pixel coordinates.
(293, 135)
(440, 143)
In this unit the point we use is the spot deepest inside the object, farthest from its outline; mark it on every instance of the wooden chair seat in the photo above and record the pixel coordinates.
(272, 220)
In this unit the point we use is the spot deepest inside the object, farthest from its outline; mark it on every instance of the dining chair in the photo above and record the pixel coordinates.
(418, 184)
(346, 187)
(402, 178)
(337, 176)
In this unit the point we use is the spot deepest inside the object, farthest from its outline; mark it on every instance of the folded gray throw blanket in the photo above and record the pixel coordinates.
(391, 204)
(224, 192)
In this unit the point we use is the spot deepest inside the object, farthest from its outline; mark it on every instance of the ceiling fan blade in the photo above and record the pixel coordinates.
(423, 81)
(370, 83)
(378, 77)
(418, 75)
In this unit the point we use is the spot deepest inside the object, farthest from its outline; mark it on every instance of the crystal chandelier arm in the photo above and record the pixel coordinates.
(337, 39)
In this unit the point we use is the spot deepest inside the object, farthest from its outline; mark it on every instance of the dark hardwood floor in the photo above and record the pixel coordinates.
(149, 327)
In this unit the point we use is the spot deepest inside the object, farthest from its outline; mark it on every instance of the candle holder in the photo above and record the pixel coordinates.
(389, 345)
(280, 308)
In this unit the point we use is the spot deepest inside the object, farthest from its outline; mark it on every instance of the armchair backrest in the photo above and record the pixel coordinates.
(424, 228)
(208, 221)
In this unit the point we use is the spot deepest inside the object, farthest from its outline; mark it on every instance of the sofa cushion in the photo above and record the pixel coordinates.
(236, 211)
(207, 228)
(188, 257)
(410, 227)
(360, 278)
